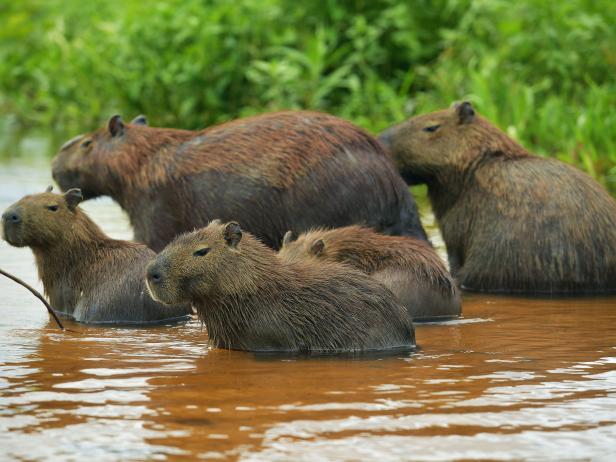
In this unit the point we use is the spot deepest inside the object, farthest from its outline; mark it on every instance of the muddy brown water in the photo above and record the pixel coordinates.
(513, 379)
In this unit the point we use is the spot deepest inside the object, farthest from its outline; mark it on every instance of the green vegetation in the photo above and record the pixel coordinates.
(543, 71)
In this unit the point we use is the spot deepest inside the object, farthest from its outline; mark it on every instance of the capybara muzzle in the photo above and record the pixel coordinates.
(12, 221)
(158, 281)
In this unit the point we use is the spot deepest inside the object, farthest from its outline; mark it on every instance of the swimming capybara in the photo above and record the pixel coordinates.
(409, 267)
(512, 221)
(251, 299)
(260, 171)
(86, 275)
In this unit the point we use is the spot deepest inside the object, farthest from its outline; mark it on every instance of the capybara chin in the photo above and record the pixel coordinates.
(86, 275)
(251, 299)
(259, 170)
(409, 267)
(512, 221)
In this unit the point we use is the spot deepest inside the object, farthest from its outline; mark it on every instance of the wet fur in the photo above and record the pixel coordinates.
(512, 221)
(259, 170)
(250, 299)
(410, 268)
(85, 274)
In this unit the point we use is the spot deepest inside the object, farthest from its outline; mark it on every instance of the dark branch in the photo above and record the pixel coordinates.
(36, 294)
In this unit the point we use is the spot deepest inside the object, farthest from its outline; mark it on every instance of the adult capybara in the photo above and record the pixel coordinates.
(260, 170)
(512, 221)
(86, 275)
(251, 299)
(409, 267)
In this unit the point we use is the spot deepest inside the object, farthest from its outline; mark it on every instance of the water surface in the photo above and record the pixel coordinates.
(513, 379)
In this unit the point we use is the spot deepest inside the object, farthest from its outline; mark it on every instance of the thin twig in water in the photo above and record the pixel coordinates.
(36, 294)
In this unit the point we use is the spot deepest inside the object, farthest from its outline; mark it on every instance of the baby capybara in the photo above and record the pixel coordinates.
(260, 170)
(409, 267)
(512, 221)
(251, 299)
(86, 275)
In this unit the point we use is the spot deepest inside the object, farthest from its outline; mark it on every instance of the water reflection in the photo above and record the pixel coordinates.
(513, 379)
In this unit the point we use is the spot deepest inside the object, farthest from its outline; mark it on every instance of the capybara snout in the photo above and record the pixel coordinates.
(12, 215)
(154, 274)
(11, 225)
(386, 137)
(158, 281)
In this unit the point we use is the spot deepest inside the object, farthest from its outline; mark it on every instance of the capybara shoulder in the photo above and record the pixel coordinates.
(409, 267)
(259, 170)
(512, 221)
(85, 274)
(250, 299)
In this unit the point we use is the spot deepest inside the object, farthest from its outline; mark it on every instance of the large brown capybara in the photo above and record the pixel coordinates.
(409, 267)
(512, 221)
(260, 171)
(251, 299)
(86, 275)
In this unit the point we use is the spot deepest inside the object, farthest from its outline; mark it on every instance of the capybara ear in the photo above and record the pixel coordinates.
(116, 126)
(317, 247)
(49, 189)
(140, 120)
(288, 238)
(233, 233)
(465, 111)
(73, 197)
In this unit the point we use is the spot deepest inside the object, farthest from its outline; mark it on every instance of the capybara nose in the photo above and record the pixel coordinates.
(11, 216)
(386, 138)
(154, 274)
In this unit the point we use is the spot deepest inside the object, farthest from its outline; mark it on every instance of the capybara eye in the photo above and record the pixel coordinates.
(201, 252)
(53, 208)
(431, 128)
(86, 143)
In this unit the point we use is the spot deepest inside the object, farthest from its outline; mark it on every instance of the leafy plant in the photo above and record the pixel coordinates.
(543, 71)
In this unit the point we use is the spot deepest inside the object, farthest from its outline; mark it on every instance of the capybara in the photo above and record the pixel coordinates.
(259, 170)
(86, 275)
(512, 221)
(251, 299)
(409, 267)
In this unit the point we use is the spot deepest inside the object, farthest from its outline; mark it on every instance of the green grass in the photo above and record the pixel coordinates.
(543, 71)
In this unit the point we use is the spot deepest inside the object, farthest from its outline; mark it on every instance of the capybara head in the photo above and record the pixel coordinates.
(82, 161)
(197, 264)
(40, 220)
(451, 139)
(311, 244)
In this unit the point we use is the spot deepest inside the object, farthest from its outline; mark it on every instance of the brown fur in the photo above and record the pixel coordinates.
(86, 275)
(259, 170)
(512, 221)
(410, 268)
(251, 299)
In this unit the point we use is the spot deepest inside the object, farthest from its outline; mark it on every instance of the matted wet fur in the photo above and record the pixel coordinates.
(512, 221)
(251, 299)
(410, 268)
(86, 275)
(259, 170)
